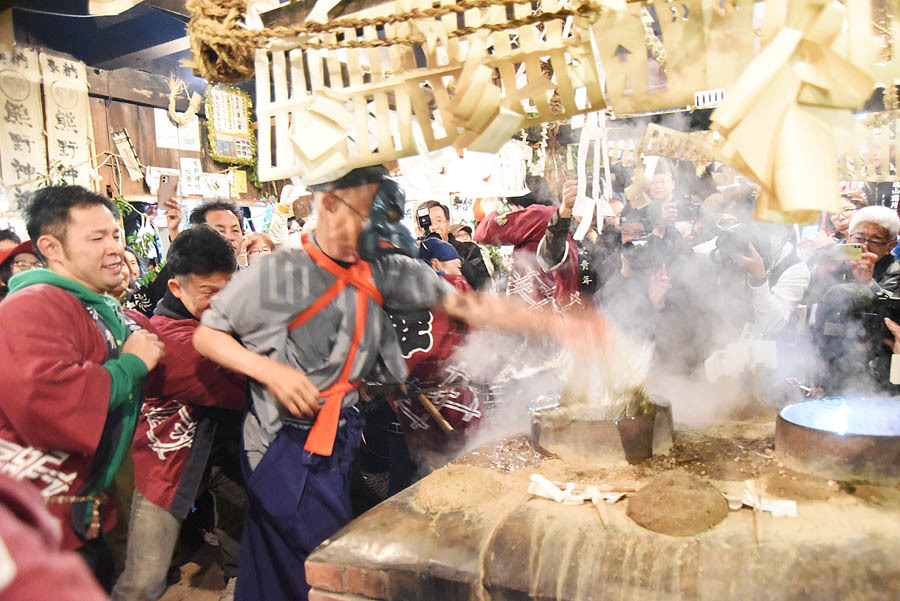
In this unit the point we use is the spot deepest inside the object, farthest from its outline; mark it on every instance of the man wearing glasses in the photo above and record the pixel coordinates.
(875, 228)
(306, 326)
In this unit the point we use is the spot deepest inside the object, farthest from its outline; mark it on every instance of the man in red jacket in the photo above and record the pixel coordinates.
(428, 338)
(185, 400)
(523, 227)
(72, 367)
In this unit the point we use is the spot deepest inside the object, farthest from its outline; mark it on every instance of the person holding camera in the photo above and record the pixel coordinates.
(866, 258)
(433, 219)
(636, 295)
(875, 230)
(775, 276)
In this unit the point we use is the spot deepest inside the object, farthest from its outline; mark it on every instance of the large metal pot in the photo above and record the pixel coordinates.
(841, 438)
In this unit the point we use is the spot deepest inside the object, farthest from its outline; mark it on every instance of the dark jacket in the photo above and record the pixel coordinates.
(473, 267)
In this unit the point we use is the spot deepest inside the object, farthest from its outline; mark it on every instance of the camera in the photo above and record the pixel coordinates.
(737, 241)
(423, 218)
(873, 319)
(689, 210)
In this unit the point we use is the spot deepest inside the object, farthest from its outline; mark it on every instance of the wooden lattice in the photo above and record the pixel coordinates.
(466, 91)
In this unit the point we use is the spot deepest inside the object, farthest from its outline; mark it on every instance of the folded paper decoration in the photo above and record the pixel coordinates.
(470, 74)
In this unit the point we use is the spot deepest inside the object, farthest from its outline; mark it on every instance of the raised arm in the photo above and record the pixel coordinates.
(580, 330)
(552, 250)
(290, 386)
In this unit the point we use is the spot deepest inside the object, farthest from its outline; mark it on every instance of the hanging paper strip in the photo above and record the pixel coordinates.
(23, 158)
(67, 119)
(228, 121)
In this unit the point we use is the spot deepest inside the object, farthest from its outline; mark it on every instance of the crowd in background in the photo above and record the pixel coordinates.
(676, 259)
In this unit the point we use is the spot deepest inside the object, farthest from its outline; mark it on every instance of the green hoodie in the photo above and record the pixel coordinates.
(126, 374)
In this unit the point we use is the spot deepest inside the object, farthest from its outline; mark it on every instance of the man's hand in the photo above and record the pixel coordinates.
(863, 269)
(894, 327)
(146, 347)
(659, 286)
(752, 263)
(669, 213)
(569, 194)
(291, 386)
(174, 215)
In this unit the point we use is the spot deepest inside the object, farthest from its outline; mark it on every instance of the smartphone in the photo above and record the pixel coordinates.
(845, 252)
(168, 184)
(423, 218)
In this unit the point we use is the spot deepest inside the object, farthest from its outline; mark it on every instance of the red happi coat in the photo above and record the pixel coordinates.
(177, 423)
(428, 339)
(32, 562)
(558, 287)
(51, 427)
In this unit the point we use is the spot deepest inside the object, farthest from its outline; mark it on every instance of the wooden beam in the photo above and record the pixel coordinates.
(176, 7)
(296, 12)
(139, 87)
(147, 54)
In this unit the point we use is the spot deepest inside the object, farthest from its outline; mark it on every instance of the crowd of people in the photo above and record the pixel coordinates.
(245, 370)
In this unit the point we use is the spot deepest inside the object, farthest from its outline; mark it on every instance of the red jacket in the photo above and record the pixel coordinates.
(177, 423)
(51, 427)
(523, 230)
(428, 340)
(32, 559)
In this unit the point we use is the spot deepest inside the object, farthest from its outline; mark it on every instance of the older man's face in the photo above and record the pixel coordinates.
(346, 219)
(874, 239)
(661, 187)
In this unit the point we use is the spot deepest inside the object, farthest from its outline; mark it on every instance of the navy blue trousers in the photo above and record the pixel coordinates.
(295, 500)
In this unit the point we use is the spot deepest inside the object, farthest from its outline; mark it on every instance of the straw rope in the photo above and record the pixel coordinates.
(223, 48)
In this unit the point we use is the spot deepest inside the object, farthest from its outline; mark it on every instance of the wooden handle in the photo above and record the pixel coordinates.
(429, 406)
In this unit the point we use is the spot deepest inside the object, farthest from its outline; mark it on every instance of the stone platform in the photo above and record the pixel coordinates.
(471, 532)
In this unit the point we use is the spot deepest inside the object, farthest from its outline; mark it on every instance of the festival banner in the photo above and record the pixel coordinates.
(23, 156)
(67, 119)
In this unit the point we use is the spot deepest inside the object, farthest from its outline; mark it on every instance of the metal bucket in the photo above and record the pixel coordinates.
(633, 439)
(841, 438)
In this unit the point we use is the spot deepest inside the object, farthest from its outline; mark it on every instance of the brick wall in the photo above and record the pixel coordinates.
(334, 582)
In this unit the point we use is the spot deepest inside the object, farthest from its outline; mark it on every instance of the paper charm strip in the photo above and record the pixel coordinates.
(68, 123)
(23, 151)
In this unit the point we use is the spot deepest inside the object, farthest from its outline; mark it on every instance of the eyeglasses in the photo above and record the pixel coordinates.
(860, 239)
(848, 212)
(265, 250)
(350, 206)
(26, 265)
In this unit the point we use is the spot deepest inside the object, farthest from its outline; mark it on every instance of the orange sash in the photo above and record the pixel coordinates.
(359, 275)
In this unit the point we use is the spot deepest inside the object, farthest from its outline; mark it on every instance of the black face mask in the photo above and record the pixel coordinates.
(383, 234)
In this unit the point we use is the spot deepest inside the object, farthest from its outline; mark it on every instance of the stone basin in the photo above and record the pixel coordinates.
(844, 544)
(631, 439)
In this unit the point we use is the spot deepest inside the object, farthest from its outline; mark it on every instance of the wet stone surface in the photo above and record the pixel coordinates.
(510, 546)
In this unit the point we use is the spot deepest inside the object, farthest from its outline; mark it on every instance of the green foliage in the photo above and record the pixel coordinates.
(142, 244)
(150, 275)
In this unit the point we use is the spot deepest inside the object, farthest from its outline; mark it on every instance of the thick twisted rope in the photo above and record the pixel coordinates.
(223, 48)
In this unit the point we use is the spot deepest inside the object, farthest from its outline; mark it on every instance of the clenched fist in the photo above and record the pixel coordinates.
(146, 346)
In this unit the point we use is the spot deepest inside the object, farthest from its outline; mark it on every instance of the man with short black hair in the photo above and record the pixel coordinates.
(222, 216)
(187, 402)
(225, 218)
(72, 366)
